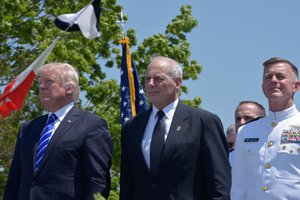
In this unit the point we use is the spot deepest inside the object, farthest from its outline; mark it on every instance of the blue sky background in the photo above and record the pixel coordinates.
(232, 40)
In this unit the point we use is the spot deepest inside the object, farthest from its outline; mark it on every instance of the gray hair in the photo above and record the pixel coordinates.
(231, 130)
(175, 68)
(69, 76)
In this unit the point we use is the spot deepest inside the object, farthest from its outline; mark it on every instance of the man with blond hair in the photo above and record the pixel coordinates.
(65, 154)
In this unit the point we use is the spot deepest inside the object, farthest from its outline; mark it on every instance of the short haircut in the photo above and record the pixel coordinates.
(261, 109)
(175, 69)
(281, 60)
(69, 76)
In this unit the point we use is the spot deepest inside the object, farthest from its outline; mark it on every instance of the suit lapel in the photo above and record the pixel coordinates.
(61, 130)
(138, 135)
(177, 131)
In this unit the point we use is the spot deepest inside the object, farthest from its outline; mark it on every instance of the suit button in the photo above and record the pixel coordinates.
(283, 147)
(270, 144)
(267, 166)
(265, 188)
(273, 124)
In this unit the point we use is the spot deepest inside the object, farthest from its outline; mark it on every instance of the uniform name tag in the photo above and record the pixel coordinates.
(251, 139)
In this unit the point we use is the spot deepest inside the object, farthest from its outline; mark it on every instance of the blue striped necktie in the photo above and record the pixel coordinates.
(157, 143)
(44, 140)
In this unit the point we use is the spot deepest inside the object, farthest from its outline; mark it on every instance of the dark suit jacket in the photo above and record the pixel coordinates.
(75, 165)
(194, 163)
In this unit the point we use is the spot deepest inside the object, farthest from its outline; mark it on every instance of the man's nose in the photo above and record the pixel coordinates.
(150, 81)
(41, 85)
(274, 78)
(243, 121)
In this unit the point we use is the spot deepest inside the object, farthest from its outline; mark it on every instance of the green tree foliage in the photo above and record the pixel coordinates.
(27, 28)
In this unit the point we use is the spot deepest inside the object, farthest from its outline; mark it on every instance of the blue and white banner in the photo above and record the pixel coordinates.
(86, 20)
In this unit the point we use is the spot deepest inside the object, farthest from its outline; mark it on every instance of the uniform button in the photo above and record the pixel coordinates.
(270, 144)
(273, 124)
(283, 147)
(267, 166)
(291, 151)
(265, 188)
(298, 149)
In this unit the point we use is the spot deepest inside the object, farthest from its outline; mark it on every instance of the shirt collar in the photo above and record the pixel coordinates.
(280, 115)
(168, 110)
(61, 113)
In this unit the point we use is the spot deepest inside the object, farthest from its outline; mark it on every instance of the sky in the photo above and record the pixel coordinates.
(232, 40)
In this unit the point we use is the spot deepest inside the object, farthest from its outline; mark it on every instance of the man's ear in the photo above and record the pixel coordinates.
(69, 90)
(178, 82)
(297, 86)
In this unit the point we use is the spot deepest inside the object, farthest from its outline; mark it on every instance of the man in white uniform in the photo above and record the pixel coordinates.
(267, 157)
(246, 111)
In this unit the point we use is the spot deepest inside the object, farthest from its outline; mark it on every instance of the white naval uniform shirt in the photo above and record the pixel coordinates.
(267, 158)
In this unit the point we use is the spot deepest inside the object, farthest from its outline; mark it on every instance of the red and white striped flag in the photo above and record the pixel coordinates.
(16, 91)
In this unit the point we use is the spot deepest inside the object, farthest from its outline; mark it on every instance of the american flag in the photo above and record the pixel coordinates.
(133, 99)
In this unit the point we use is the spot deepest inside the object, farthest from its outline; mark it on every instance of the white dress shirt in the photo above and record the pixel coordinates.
(61, 113)
(146, 142)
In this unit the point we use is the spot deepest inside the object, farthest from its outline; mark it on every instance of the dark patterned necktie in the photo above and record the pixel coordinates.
(44, 140)
(157, 143)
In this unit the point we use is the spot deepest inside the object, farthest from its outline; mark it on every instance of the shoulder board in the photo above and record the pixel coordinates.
(252, 120)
